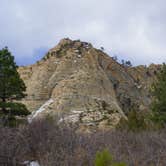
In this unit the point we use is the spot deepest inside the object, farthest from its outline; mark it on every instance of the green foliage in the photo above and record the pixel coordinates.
(104, 158)
(136, 121)
(12, 88)
(159, 93)
(119, 164)
(15, 109)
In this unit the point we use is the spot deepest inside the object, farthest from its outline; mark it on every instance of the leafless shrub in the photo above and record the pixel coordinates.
(54, 145)
(13, 146)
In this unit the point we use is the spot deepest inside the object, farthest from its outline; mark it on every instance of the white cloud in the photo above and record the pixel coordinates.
(132, 29)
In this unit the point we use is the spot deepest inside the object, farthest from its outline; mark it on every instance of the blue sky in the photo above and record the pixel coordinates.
(131, 29)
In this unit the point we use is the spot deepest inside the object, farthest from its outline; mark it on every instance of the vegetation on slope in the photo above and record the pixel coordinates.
(159, 93)
(12, 88)
(54, 145)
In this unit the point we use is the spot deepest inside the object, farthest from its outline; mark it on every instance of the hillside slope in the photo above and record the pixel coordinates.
(79, 83)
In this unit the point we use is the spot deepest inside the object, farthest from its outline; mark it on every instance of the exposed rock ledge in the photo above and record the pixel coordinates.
(84, 85)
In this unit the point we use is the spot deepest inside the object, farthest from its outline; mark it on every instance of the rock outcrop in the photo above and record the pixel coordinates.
(81, 84)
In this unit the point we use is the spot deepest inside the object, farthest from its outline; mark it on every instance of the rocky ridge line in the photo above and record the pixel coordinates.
(85, 85)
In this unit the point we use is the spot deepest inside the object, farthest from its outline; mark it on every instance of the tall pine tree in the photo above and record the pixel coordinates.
(12, 88)
(159, 93)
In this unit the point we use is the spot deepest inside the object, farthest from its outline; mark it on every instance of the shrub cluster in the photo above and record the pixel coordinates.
(54, 145)
(137, 121)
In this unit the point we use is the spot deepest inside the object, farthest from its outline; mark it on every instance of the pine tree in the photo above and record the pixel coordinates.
(159, 93)
(12, 88)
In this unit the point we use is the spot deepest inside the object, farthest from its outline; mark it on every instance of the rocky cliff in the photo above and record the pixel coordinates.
(81, 84)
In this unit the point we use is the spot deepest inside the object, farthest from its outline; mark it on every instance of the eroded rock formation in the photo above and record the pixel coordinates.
(79, 83)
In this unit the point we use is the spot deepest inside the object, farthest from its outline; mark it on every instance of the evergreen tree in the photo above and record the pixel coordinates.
(159, 93)
(12, 88)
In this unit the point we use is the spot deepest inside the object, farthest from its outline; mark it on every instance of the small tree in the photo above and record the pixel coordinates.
(102, 48)
(123, 62)
(12, 88)
(104, 158)
(115, 58)
(128, 63)
(136, 121)
(159, 93)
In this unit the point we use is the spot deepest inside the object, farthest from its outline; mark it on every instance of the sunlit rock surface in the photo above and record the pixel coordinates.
(81, 84)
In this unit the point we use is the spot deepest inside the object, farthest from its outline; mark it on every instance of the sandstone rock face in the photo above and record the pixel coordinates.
(81, 84)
